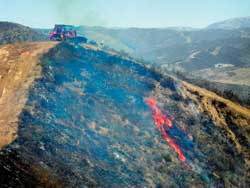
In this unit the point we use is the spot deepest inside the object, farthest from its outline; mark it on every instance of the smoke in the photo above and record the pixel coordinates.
(77, 12)
(193, 109)
(191, 106)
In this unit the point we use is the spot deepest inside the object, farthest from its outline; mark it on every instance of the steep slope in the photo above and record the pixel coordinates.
(94, 119)
(12, 32)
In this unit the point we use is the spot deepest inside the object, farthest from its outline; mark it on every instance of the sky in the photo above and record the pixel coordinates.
(122, 13)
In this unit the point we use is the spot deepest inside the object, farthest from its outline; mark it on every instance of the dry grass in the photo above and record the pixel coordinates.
(226, 114)
(212, 96)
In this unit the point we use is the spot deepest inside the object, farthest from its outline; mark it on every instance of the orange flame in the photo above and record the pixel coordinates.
(161, 120)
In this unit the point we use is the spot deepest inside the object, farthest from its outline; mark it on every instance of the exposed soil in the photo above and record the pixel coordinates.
(19, 67)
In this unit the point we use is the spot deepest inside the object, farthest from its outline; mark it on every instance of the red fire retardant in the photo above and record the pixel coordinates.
(161, 120)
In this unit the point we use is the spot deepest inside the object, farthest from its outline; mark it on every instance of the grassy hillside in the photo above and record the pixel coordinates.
(12, 32)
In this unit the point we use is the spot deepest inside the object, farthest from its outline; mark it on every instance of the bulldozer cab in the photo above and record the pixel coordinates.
(61, 32)
(66, 33)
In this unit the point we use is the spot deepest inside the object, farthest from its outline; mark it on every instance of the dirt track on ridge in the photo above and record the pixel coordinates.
(19, 67)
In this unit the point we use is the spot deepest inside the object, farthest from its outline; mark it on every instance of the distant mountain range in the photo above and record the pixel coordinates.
(234, 23)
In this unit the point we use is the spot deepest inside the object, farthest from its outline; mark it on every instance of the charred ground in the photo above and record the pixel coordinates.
(85, 124)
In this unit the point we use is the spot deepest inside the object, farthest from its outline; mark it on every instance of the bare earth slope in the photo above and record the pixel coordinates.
(19, 66)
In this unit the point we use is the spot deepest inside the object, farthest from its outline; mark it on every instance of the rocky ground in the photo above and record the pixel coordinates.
(80, 120)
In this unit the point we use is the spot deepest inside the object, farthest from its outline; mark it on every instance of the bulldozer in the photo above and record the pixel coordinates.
(66, 33)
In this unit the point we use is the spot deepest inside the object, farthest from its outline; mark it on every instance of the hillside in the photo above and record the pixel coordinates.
(12, 32)
(91, 118)
(234, 23)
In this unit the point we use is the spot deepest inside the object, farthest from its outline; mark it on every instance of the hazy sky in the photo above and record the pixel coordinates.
(122, 13)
